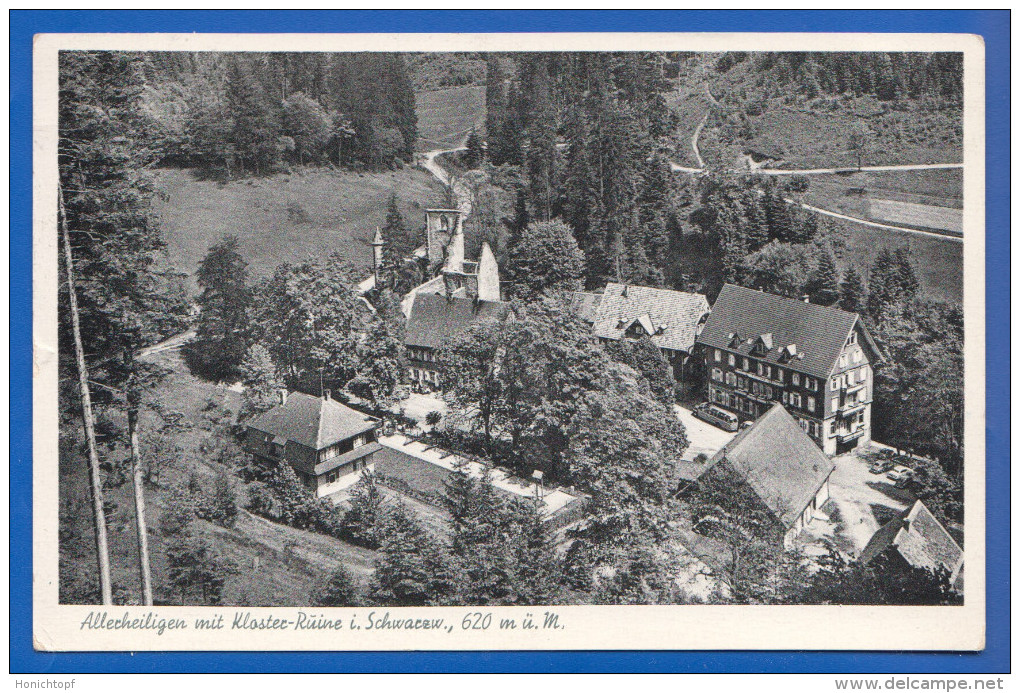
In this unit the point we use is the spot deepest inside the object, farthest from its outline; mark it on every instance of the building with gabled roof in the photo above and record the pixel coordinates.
(670, 319)
(760, 348)
(434, 320)
(326, 442)
(919, 540)
(777, 460)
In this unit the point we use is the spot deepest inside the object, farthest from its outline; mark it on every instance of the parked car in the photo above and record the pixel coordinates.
(706, 411)
(900, 475)
(881, 466)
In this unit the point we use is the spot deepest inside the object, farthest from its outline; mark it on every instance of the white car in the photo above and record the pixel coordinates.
(900, 475)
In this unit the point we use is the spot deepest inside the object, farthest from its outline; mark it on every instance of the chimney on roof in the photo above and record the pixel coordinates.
(326, 393)
(624, 292)
(283, 395)
(806, 298)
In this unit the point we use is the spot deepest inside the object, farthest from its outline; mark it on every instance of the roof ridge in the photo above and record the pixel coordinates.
(318, 432)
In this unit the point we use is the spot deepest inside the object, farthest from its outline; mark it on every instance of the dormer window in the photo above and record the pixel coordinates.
(762, 345)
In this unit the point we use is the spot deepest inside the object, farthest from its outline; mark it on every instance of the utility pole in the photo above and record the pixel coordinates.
(95, 480)
(133, 401)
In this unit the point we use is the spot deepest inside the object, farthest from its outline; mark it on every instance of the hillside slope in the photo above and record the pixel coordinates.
(286, 217)
(760, 107)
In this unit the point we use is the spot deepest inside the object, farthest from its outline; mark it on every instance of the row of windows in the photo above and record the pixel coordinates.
(733, 401)
(812, 428)
(334, 476)
(421, 354)
(855, 376)
(766, 370)
(845, 358)
(346, 446)
(763, 390)
(423, 375)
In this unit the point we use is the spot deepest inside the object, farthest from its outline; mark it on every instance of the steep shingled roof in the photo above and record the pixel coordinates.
(674, 316)
(315, 422)
(919, 538)
(740, 316)
(435, 318)
(779, 461)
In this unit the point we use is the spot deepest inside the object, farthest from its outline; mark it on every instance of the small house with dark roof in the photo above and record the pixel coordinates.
(670, 319)
(326, 442)
(759, 349)
(434, 320)
(918, 539)
(781, 465)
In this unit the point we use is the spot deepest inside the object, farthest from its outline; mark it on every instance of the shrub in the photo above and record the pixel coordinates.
(340, 590)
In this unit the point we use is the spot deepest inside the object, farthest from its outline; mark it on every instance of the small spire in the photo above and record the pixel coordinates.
(378, 239)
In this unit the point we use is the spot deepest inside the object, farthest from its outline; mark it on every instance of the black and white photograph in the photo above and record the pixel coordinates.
(548, 328)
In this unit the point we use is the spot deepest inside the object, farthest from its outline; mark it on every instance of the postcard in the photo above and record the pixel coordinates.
(508, 342)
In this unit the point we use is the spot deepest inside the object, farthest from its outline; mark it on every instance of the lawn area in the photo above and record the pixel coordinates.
(938, 262)
(916, 216)
(446, 116)
(286, 217)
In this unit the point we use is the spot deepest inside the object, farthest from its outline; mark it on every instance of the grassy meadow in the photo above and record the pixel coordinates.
(445, 116)
(309, 213)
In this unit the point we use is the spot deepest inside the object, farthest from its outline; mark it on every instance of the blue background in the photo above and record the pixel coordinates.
(992, 25)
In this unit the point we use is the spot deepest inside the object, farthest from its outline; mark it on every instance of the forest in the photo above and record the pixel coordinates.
(237, 113)
(571, 184)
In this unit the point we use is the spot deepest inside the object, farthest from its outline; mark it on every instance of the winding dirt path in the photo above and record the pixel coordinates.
(813, 171)
(694, 141)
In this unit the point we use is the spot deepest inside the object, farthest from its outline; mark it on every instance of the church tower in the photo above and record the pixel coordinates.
(377, 254)
(444, 231)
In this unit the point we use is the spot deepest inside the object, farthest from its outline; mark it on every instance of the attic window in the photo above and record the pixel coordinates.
(788, 352)
(762, 345)
(734, 340)
(642, 324)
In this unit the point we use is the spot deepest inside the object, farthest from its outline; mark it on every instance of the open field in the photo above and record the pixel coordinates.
(938, 262)
(446, 116)
(849, 193)
(286, 217)
(928, 200)
(915, 215)
(690, 108)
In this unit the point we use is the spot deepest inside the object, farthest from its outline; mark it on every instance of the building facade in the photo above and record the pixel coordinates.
(670, 319)
(759, 349)
(461, 293)
(435, 320)
(327, 443)
(787, 474)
